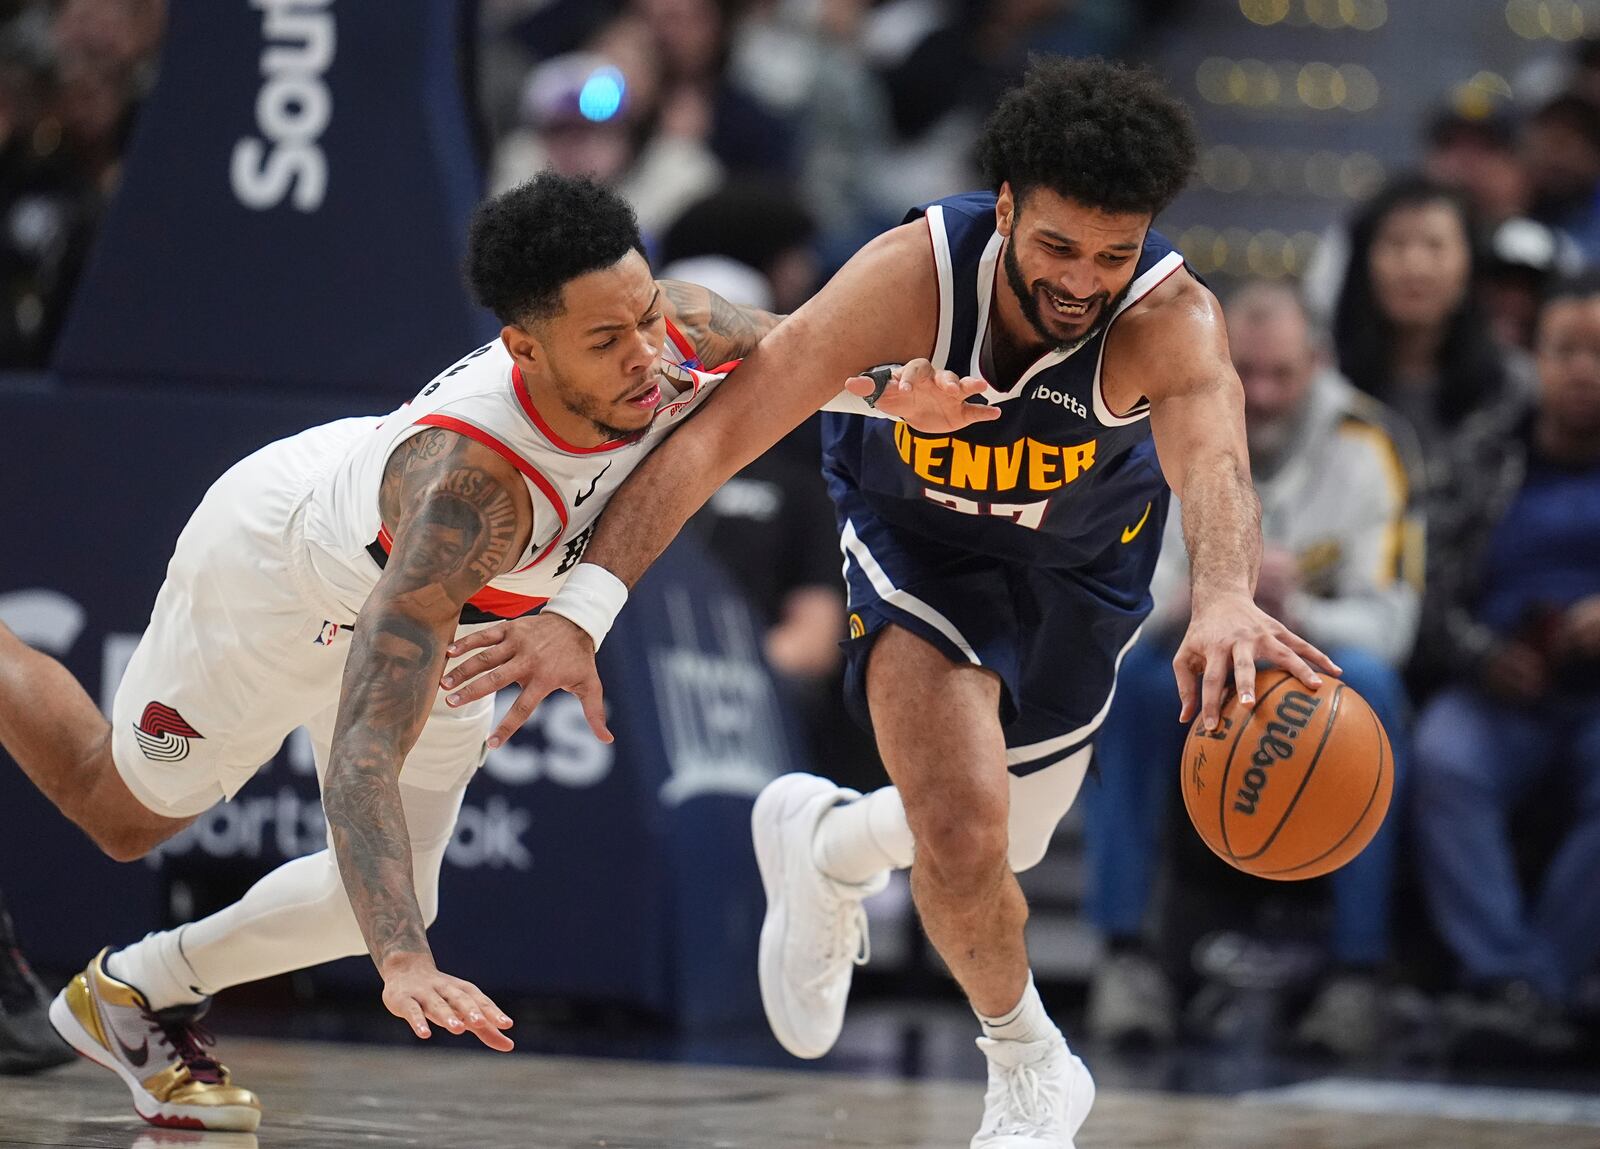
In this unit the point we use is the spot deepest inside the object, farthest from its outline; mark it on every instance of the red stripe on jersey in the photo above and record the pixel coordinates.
(504, 604)
(685, 348)
(521, 390)
(533, 474)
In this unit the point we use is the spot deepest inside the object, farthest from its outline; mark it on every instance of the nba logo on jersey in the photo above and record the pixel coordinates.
(329, 632)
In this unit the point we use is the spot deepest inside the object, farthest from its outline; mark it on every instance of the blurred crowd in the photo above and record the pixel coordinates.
(1424, 423)
(1424, 420)
(72, 74)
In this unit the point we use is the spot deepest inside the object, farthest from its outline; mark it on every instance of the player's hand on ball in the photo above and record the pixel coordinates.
(541, 654)
(1232, 633)
(929, 400)
(417, 992)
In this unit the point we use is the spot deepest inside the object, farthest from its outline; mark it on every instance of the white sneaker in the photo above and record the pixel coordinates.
(1038, 1096)
(815, 932)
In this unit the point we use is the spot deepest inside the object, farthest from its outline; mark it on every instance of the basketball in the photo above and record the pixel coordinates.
(1294, 788)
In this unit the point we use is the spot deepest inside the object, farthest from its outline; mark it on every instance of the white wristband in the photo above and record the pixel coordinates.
(592, 597)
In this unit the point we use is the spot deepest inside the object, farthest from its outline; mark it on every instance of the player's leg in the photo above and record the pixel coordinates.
(230, 663)
(296, 916)
(54, 731)
(939, 732)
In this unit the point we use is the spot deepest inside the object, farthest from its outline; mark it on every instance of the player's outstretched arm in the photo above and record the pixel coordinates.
(1177, 347)
(461, 516)
(882, 307)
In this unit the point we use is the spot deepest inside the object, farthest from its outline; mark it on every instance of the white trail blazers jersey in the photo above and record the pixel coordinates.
(483, 397)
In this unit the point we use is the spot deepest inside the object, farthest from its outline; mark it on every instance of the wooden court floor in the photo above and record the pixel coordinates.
(332, 1097)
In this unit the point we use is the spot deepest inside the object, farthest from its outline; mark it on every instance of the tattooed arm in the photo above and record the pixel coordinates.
(461, 516)
(718, 330)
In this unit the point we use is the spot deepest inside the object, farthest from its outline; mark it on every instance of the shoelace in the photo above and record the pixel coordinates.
(186, 1038)
(1027, 1097)
(838, 952)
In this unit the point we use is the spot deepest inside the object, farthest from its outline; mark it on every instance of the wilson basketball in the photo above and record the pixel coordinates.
(1295, 788)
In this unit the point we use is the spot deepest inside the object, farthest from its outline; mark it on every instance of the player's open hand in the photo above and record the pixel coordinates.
(929, 400)
(541, 654)
(1233, 633)
(417, 992)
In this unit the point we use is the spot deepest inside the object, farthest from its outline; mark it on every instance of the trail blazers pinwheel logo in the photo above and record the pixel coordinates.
(163, 734)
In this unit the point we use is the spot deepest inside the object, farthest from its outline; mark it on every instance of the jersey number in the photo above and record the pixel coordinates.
(456, 370)
(1030, 515)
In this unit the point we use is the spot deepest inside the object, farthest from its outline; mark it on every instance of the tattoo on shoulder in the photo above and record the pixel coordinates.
(454, 522)
(718, 329)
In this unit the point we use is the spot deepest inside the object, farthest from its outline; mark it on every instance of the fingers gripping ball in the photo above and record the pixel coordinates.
(1295, 788)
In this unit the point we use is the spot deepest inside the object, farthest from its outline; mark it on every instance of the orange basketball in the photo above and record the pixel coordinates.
(1294, 788)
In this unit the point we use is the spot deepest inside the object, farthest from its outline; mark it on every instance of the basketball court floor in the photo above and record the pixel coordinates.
(337, 1096)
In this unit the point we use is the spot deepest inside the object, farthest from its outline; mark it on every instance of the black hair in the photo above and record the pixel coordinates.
(1094, 132)
(750, 222)
(1562, 289)
(1574, 112)
(1471, 369)
(525, 244)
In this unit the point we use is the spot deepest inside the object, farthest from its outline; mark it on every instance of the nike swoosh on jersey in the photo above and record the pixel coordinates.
(1131, 533)
(582, 495)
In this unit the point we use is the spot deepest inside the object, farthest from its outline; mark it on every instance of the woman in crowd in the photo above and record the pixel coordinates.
(1410, 328)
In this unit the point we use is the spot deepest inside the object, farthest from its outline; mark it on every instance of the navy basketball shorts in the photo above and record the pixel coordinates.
(1054, 642)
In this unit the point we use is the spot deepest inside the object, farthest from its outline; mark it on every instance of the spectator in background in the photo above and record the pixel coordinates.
(1512, 623)
(1410, 329)
(693, 38)
(1471, 145)
(814, 61)
(1561, 154)
(1341, 564)
(28, 1042)
(1524, 259)
(588, 113)
(756, 226)
(772, 524)
(70, 82)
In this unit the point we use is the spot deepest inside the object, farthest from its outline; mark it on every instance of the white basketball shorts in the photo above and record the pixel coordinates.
(246, 643)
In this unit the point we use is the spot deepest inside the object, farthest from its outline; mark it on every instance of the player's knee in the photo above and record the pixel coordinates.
(959, 851)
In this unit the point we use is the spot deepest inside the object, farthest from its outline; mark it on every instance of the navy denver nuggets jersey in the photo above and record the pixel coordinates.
(1059, 479)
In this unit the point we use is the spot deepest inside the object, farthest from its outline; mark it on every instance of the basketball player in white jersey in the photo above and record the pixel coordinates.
(319, 583)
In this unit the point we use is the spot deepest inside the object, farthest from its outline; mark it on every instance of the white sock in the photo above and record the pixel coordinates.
(859, 840)
(1026, 1021)
(157, 968)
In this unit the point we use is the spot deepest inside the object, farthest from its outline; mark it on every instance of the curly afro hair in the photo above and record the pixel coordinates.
(1094, 132)
(525, 244)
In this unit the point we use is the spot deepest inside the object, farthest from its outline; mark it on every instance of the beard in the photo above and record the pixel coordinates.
(1028, 300)
(595, 412)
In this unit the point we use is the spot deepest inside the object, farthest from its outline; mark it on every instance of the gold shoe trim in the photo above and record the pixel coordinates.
(174, 1086)
(80, 1001)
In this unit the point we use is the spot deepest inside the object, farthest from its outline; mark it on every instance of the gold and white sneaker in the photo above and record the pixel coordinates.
(160, 1055)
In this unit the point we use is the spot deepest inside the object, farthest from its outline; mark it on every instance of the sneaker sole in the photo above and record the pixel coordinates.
(228, 1119)
(773, 805)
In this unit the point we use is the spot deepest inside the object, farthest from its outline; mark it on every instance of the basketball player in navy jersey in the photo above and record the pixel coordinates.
(996, 573)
